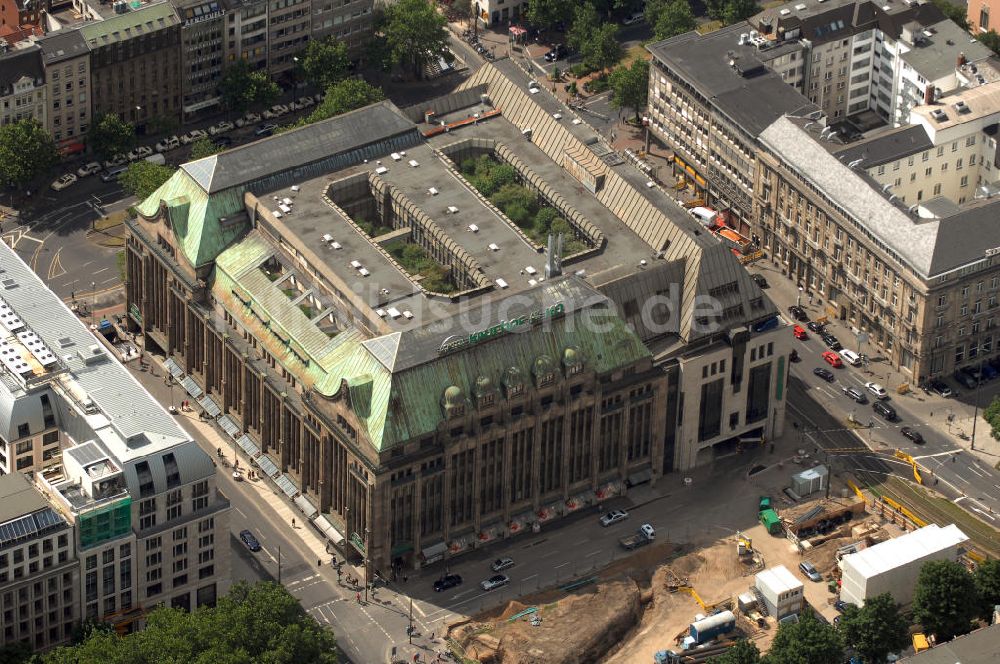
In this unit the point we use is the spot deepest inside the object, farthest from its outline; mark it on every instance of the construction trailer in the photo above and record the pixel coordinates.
(779, 592)
(893, 566)
(810, 480)
(706, 629)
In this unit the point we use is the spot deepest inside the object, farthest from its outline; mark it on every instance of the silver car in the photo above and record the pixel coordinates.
(500, 564)
(495, 581)
(613, 517)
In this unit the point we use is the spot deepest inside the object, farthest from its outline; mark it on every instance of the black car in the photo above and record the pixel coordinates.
(798, 313)
(913, 435)
(841, 605)
(965, 380)
(831, 342)
(558, 52)
(266, 129)
(941, 388)
(815, 327)
(251, 542)
(760, 280)
(223, 141)
(886, 411)
(794, 356)
(825, 374)
(856, 394)
(447, 581)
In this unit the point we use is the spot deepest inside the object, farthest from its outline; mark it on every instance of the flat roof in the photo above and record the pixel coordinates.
(753, 99)
(18, 497)
(778, 579)
(981, 101)
(935, 54)
(886, 147)
(905, 549)
(978, 647)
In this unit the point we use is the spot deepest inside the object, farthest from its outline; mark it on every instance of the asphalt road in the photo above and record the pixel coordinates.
(825, 409)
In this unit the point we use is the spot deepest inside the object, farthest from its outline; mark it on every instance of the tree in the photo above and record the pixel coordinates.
(26, 151)
(602, 50)
(670, 18)
(941, 599)
(204, 147)
(807, 641)
(987, 579)
(325, 62)
(630, 86)
(258, 623)
(585, 22)
(547, 14)
(738, 10)
(144, 177)
(244, 88)
(992, 415)
(953, 11)
(110, 135)
(414, 34)
(18, 652)
(744, 652)
(990, 40)
(876, 629)
(348, 95)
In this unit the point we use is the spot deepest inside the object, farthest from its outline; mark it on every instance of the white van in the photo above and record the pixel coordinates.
(850, 357)
(705, 215)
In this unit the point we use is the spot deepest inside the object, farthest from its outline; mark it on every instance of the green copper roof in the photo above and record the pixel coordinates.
(197, 218)
(129, 25)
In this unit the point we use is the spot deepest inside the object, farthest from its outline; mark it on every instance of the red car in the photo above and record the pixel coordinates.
(832, 359)
(799, 333)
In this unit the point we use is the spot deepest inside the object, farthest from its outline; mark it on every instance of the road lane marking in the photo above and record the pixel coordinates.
(962, 478)
(103, 269)
(462, 594)
(528, 578)
(957, 500)
(550, 553)
(302, 580)
(592, 553)
(563, 565)
(240, 512)
(416, 605)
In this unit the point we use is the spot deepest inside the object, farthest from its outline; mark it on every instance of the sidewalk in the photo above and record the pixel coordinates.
(936, 409)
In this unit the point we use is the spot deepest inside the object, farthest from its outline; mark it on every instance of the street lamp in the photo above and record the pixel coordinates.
(979, 384)
(367, 558)
(170, 382)
(93, 290)
(798, 298)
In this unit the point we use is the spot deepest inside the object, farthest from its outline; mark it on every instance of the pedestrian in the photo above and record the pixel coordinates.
(357, 596)
(293, 522)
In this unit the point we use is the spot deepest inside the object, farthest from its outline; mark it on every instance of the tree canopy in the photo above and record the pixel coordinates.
(876, 629)
(414, 33)
(26, 151)
(744, 652)
(630, 86)
(941, 599)
(808, 641)
(602, 49)
(258, 623)
(669, 18)
(110, 135)
(987, 580)
(585, 23)
(325, 62)
(547, 14)
(204, 147)
(347, 95)
(243, 88)
(738, 10)
(144, 177)
(990, 40)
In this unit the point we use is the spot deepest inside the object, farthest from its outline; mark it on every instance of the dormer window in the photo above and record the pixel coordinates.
(546, 379)
(487, 400)
(515, 390)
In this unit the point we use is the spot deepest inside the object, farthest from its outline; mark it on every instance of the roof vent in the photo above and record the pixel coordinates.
(799, 7)
(8, 284)
(785, 12)
(93, 354)
(939, 115)
(962, 107)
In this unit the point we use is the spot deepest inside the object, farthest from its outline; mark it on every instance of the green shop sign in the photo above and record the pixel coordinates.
(358, 543)
(457, 342)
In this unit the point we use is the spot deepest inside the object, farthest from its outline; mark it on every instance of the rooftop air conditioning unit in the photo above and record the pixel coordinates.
(962, 107)
(92, 354)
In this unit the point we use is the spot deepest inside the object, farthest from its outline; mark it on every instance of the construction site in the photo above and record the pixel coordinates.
(687, 601)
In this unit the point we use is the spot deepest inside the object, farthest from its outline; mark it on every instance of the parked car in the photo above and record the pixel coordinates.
(447, 581)
(798, 313)
(495, 581)
(248, 538)
(168, 144)
(850, 357)
(558, 52)
(913, 435)
(825, 374)
(193, 135)
(633, 18)
(295, 106)
(266, 129)
(220, 128)
(223, 141)
(989, 373)
(877, 390)
(116, 160)
(500, 564)
(275, 111)
(815, 326)
(613, 517)
(856, 394)
(319, 97)
(841, 606)
(113, 173)
(965, 380)
(799, 333)
(941, 388)
(647, 530)
(810, 571)
(248, 119)
(89, 169)
(831, 342)
(832, 359)
(305, 102)
(886, 411)
(760, 281)
(63, 182)
(140, 152)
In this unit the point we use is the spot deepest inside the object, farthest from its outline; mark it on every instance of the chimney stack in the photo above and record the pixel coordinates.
(929, 94)
(961, 59)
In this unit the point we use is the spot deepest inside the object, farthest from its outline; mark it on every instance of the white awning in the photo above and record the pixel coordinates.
(175, 369)
(328, 530)
(247, 445)
(229, 426)
(308, 509)
(211, 408)
(191, 387)
(286, 485)
(264, 463)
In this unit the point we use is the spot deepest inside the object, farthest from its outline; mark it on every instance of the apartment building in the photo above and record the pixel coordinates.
(246, 33)
(499, 12)
(22, 85)
(66, 65)
(350, 21)
(978, 15)
(20, 18)
(202, 45)
(149, 526)
(289, 27)
(412, 424)
(858, 55)
(710, 96)
(39, 571)
(136, 63)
